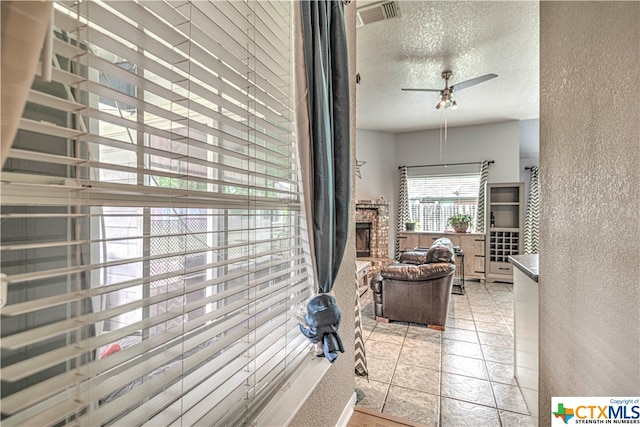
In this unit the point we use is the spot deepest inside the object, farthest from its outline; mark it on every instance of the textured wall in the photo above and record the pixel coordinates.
(494, 141)
(378, 150)
(331, 396)
(590, 187)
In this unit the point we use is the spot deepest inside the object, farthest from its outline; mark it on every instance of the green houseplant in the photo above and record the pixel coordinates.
(410, 225)
(460, 222)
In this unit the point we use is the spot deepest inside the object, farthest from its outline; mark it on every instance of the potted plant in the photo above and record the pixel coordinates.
(460, 222)
(410, 225)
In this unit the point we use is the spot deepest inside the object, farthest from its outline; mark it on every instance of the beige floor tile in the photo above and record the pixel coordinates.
(461, 348)
(509, 398)
(380, 369)
(466, 388)
(399, 328)
(460, 335)
(384, 336)
(424, 334)
(412, 405)
(511, 419)
(488, 317)
(424, 343)
(456, 413)
(415, 378)
(501, 373)
(423, 358)
(498, 354)
(464, 314)
(375, 393)
(452, 322)
(458, 377)
(499, 328)
(466, 366)
(495, 340)
(382, 350)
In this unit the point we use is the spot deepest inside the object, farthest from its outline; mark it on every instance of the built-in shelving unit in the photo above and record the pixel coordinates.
(505, 229)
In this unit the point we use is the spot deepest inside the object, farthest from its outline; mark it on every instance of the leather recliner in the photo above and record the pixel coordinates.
(417, 288)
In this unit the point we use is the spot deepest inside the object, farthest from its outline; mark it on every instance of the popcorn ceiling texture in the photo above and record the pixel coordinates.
(590, 194)
(325, 405)
(471, 39)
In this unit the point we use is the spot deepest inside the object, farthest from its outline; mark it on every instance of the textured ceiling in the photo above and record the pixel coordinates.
(469, 38)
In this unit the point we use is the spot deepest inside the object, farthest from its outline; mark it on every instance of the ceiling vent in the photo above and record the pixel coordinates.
(377, 12)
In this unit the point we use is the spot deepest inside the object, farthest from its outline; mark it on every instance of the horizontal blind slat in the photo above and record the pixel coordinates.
(166, 109)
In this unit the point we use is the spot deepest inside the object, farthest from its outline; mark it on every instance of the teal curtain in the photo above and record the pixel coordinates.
(327, 71)
(326, 162)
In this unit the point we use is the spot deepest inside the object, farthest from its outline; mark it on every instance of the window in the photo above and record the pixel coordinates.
(435, 198)
(150, 219)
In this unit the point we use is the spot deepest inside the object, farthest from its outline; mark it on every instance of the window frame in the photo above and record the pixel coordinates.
(266, 188)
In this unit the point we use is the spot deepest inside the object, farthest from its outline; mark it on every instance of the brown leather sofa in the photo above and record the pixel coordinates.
(417, 288)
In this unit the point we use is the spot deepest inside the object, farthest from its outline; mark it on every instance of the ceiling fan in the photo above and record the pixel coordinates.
(446, 94)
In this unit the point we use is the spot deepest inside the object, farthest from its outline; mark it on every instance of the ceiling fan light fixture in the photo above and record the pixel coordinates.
(454, 105)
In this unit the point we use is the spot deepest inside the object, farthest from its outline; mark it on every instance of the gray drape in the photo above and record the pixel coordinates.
(325, 159)
(327, 71)
(532, 215)
(403, 208)
(480, 214)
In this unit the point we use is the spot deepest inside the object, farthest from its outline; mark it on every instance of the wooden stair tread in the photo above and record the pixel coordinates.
(365, 417)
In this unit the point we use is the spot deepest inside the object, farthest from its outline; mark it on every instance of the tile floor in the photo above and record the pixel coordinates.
(460, 377)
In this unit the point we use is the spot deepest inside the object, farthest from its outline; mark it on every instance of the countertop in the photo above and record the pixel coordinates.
(528, 264)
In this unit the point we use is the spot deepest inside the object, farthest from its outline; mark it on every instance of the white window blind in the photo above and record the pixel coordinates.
(150, 219)
(435, 198)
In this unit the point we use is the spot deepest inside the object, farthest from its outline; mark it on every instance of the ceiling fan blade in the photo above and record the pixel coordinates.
(467, 83)
(423, 90)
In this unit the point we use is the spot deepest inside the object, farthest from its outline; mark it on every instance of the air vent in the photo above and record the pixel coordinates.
(377, 12)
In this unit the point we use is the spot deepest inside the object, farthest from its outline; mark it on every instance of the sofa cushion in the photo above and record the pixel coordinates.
(413, 257)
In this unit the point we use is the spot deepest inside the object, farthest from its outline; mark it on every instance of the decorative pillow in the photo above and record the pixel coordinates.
(415, 258)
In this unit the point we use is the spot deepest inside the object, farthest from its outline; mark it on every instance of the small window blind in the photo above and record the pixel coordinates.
(435, 198)
(150, 219)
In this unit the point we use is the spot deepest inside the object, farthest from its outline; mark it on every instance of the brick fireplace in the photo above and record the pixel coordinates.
(372, 217)
(372, 233)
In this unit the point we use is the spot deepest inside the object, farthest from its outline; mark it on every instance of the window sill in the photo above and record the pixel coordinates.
(289, 399)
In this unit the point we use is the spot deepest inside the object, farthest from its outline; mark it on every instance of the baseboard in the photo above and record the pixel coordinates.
(347, 412)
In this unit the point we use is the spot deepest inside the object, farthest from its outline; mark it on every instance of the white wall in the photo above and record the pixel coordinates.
(495, 141)
(589, 182)
(384, 152)
(379, 173)
(377, 149)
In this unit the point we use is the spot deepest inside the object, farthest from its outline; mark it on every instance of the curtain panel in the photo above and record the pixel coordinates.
(403, 208)
(532, 215)
(480, 216)
(325, 158)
